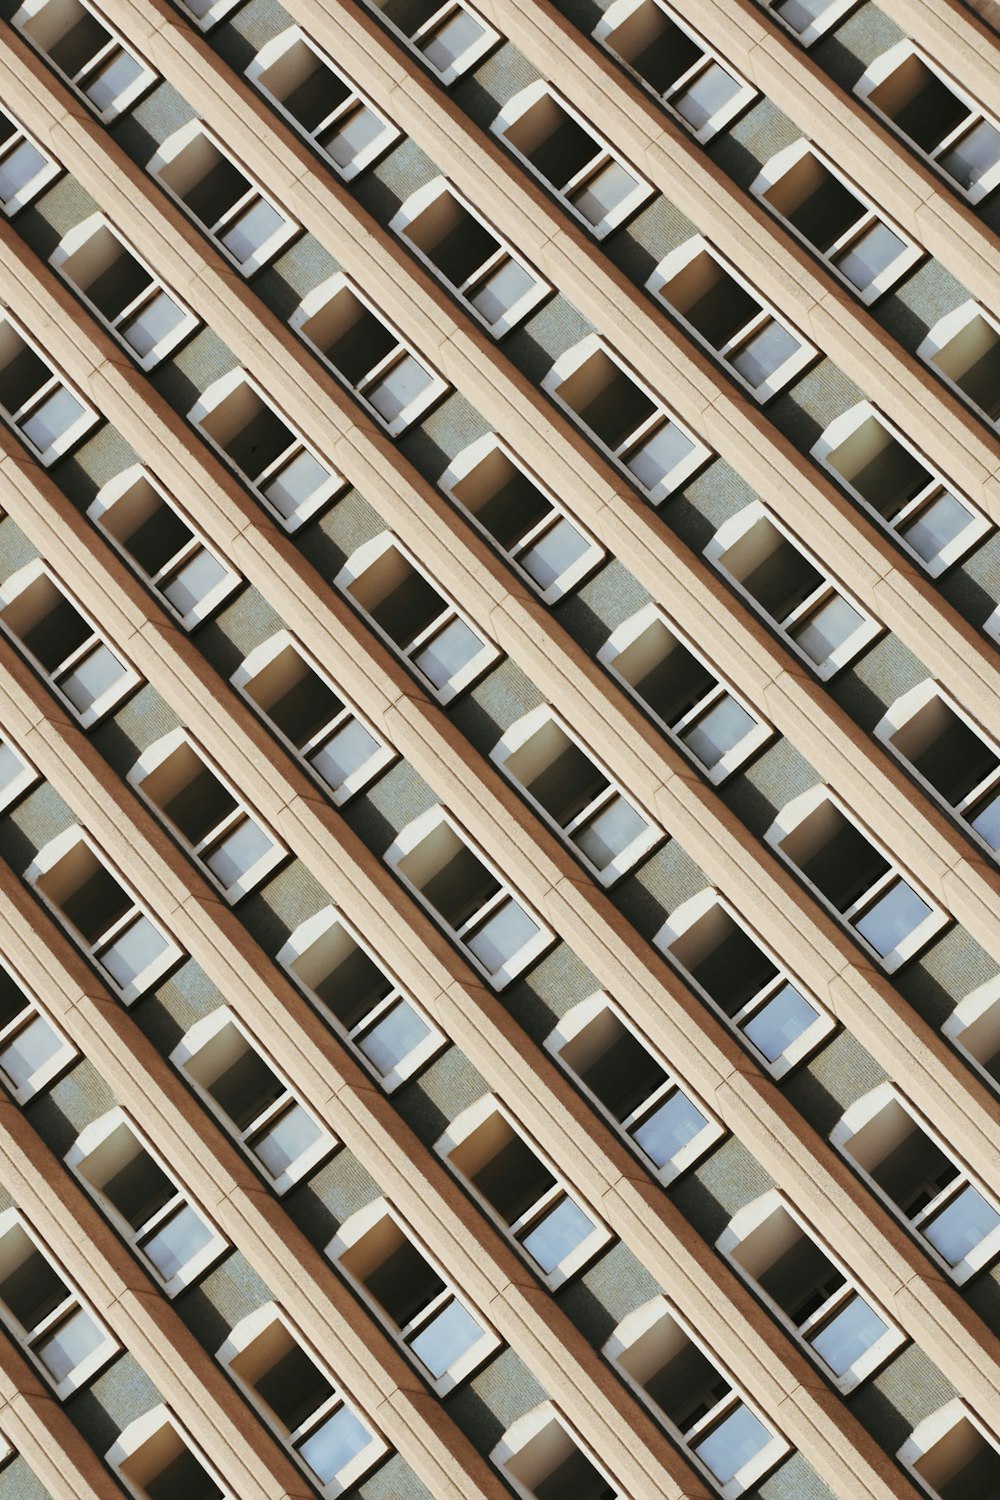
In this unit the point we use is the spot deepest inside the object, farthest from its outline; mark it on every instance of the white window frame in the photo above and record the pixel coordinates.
(605, 156)
(12, 1220)
(75, 432)
(185, 1057)
(46, 173)
(157, 755)
(628, 1351)
(621, 13)
(172, 148)
(842, 429)
(146, 1430)
(444, 16)
(241, 1337)
(773, 172)
(938, 1428)
(419, 203)
(74, 243)
(257, 662)
(933, 349)
(22, 781)
(570, 362)
(860, 1115)
(409, 839)
(102, 511)
(321, 296)
(222, 390)
(694, 910)
(536, 1442)
(883, 68)
(790, 368)
(832, 14)
(789, 819)
(89, 1141)
(272, 54)
(466, 1124)
(866, 632)
(32, 1013)
(464, 465)
(574, 1025)
(35, 572)
(369, 1220)
(521, 733)
(973, 1028)
(761, 1216)
(47, 860)
(294, 957)
(366, 557)
(40, 31)
(628, 637)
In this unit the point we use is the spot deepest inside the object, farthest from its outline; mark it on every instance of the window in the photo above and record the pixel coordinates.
(667, 1126)
(726, 314)
(899, 488)
(542, 1460)
(675, 64)
(33, 1052)
(950, 755)
(855, 878)
(771, 1248)
(787, 585)
(300, 1400)
(45, 1314)
(17, 775)
(565, 152)
(974, 1028)
(663, 672)
(139, 310)
(62, 644)
(244, 426)
(553, 1231)
(322, 104)
(552, 553)
(410, 1295)
(155, 1459)
(671, 1371)
(221, 197)
(296, 698)
(451, 37)
(102, 915)
(84, 50)
(351, 990)
(162, 546)
(743, 981)
(574, 795)
(461, 249)
(495, 929)
(36, 402)
(627, 421)
(133, 1189)
(366, 354)
(25, 169)
(929, 110)
(952, 1455)
(235, 850)
(918, 1176)
(416, 619)
(866, 249)
(245, 1091)
(963, 348)
(810, 19)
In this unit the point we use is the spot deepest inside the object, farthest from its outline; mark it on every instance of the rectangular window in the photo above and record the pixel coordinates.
(141, 312)
(155, 1459)
(33, 1052)
(787, 585)
(75, 38)
(62, 644)
(963, 348)
(221, 198)
(25, 169)
(498, 287)
(952, 1455)
(541, 1459)
(451, 37)
(17, 774)
(677, 65)
(567, 154)
(415, 618)
(322, 104)
(634, 427)
(366, 354)
(810, 19)
(492, 926)
(37, 402)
